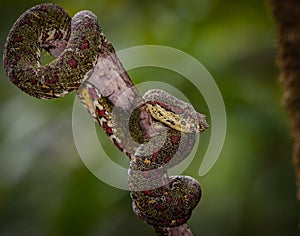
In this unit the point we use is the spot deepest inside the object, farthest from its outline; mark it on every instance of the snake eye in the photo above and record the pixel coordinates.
(183, 123)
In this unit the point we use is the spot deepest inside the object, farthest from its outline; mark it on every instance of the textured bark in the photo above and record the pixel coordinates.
(182, 230)
(287, 17)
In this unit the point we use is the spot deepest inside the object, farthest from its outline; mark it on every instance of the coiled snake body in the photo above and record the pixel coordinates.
(77, 44)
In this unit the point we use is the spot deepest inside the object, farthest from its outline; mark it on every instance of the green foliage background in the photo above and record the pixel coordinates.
(45, 189)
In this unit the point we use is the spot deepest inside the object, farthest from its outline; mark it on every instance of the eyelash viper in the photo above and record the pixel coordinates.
(77, 43)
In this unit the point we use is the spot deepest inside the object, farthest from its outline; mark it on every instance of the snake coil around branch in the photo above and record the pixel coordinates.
(156, 131)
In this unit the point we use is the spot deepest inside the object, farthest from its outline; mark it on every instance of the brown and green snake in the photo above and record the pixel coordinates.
(78, 43)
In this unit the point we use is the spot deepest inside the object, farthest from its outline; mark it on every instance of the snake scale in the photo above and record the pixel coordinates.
(77, 44)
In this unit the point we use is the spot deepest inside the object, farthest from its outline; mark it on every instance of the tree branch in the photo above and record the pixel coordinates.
(182, 230)
(287, 17)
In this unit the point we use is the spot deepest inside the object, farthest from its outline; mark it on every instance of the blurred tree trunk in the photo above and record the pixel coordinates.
(287, 17)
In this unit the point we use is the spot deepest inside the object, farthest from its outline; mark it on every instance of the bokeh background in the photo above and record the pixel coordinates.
(45, 189)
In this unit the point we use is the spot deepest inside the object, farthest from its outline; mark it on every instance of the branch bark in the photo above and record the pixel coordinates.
(182, 230)
(287, 17)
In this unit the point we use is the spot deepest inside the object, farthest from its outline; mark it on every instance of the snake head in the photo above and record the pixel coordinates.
(173, 112)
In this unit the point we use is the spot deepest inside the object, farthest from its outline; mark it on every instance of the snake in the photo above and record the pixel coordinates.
(77, 43)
